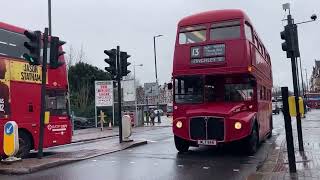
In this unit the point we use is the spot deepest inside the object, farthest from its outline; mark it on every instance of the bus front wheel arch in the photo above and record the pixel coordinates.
(26, 143)
(181, 145)
(251, 143)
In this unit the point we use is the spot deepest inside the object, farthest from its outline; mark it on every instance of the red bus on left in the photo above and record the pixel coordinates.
(20, 90)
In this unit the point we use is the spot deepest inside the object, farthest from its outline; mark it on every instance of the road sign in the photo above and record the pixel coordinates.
(128, 90)
(104, 93)
(151, 89)
(11, 138)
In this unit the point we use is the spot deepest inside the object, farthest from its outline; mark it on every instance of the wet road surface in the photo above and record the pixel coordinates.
(160, 160)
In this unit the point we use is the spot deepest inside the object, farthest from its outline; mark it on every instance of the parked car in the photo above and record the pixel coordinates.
(82, 122)
(275, 107)
(160, 111)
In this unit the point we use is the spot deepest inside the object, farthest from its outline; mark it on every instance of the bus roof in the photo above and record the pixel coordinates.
(10, 27)
(214, 15)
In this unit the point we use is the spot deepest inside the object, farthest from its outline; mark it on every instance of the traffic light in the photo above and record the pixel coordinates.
(34, 47)
(112, 61)
(291, 44)
(287, 44)
(56, 52)
(124, 63)
(295, 42)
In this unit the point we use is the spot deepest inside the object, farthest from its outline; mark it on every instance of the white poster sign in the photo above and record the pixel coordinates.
(103, 93)
(128, 90)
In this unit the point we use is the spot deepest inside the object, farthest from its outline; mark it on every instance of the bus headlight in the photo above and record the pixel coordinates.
(237, 125)
(179, 124)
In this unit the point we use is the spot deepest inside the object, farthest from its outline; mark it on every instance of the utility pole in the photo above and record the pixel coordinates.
(303, 88)
(156, 72)
(307, 82)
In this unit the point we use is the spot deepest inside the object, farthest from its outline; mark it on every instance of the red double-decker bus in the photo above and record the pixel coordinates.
(222, 82)
(20, 93)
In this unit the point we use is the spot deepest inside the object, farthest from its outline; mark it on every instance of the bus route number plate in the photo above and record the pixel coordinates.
(207, 142)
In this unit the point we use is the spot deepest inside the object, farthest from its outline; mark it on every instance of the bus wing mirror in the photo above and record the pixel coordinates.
(169, 86)
(253, 83)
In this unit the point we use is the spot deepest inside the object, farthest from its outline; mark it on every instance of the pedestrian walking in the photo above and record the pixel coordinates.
(152, 116)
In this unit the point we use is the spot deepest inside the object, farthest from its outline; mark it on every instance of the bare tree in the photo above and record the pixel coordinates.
(70, 59)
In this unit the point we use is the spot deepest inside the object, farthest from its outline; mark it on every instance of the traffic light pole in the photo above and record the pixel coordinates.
(119, 93)
(296, 90)
(43, 93)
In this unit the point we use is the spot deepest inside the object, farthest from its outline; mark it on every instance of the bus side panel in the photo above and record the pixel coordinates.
(25, 98)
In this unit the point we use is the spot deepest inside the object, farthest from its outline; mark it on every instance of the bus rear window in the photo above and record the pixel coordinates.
(225, 30)
(192, 34)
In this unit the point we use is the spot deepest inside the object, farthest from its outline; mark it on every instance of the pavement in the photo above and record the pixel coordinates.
(308, 162)
(96, 133)
(159, 160)
(86, 143)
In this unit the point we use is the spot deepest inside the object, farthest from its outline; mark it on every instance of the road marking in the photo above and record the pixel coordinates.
(180, 165)
(94, 160)
(113, 161)
(236, 170)
(151, 141)
(156, 164)
(132, 162)
(205, 167)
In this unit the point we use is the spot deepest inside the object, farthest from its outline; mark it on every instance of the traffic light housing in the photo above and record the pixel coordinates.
(56, 52)
(124, 63)
(34, 47)
(291, 44)
(112, 61)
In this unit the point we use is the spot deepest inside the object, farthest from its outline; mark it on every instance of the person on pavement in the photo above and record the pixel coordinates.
(152, 116)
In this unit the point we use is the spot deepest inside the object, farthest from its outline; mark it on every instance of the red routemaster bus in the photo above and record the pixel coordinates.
(20, 87)
(222, 82)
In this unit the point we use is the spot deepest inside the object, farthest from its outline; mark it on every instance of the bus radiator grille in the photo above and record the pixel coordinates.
(215, 128)
(198, 128)
(203, 128)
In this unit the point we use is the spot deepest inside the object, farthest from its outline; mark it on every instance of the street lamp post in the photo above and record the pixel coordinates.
(135, 89)
(156, 72)
(49, 17)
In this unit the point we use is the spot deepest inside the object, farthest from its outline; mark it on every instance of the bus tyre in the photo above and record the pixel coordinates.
(24, 145)
(181, 144)
(252, 141)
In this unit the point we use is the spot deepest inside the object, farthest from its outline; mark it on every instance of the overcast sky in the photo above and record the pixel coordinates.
(103, 24)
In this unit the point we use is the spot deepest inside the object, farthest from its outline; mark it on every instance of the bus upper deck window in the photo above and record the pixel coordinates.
(192, 34)
(225, 30)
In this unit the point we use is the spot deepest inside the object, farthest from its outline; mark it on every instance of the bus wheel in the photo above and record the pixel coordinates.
(252, 141)
(181, 144)
(24, 145)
